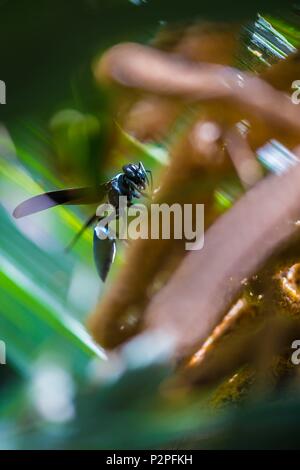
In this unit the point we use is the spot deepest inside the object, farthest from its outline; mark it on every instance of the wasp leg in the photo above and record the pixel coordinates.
(87, 224)
(138, 193)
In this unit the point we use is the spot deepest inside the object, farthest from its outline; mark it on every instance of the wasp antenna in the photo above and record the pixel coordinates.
(151, 178)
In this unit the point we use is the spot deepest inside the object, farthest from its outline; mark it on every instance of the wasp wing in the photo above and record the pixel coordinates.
(44, 201)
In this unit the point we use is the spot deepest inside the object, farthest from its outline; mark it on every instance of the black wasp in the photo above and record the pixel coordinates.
(131, 183)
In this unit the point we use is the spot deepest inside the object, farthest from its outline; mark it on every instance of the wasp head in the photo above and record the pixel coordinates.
(137, 174)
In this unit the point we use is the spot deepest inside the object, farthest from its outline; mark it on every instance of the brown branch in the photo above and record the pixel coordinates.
(145, 68)
(238, 243)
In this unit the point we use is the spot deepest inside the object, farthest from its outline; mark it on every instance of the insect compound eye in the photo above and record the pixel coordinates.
(140, 177)
(130, 170)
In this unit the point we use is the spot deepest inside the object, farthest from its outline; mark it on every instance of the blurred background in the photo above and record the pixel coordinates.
(59, 128)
